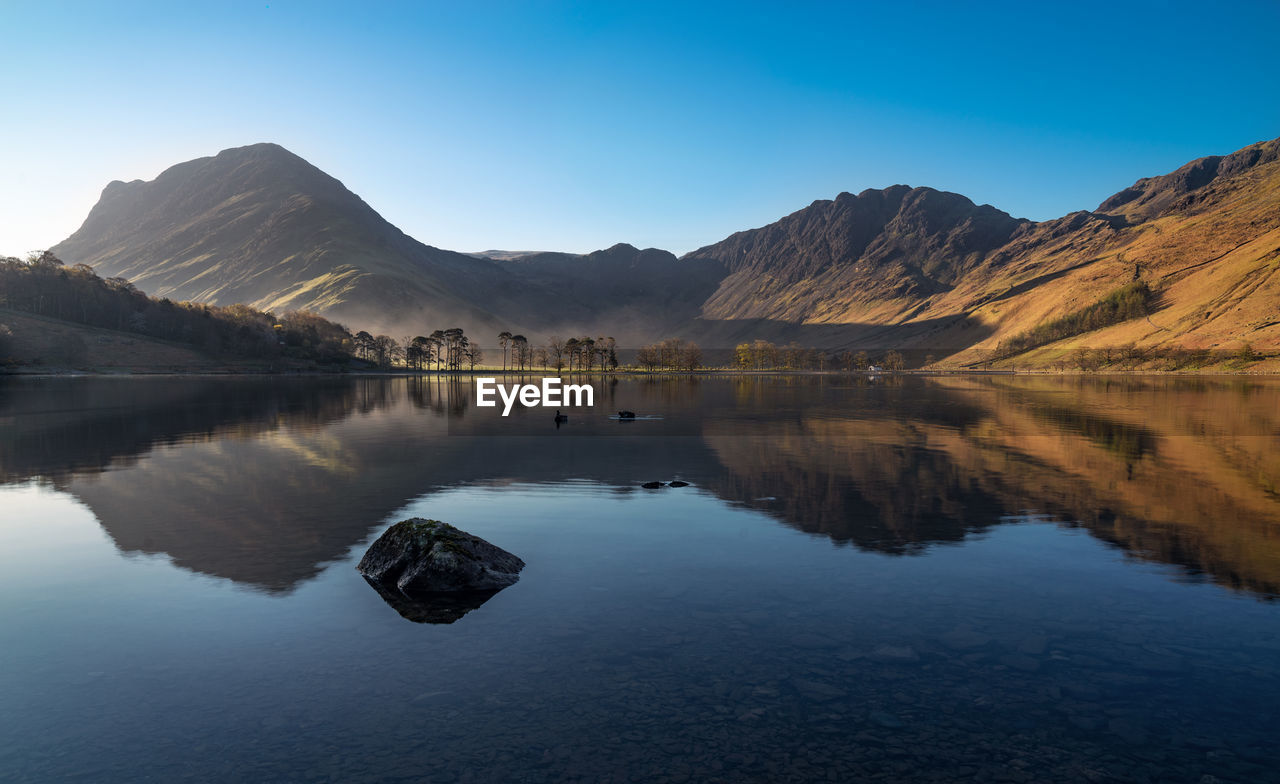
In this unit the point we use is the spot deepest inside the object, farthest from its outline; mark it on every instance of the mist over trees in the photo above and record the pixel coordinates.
(451, 350)
(583, 354)
(670, 354)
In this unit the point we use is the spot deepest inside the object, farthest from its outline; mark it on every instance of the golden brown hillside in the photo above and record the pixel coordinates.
(919, 269)
(1211, 255)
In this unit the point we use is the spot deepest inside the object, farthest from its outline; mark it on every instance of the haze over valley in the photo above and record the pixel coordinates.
(901, 267)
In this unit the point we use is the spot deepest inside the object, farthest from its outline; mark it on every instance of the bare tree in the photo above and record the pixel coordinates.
(419, 352)
(691, 357)
(437, 344)
(555, 347)
(571, 351)
(385, 350)
(648, 357)
(611, 356)
(504, 338)
(364, 344)
(520, 347)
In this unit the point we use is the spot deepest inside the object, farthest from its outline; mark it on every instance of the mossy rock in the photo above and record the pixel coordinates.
(420, 557)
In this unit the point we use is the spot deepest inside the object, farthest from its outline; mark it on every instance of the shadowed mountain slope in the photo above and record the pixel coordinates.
(260, 225)
(639, 291)
(881, 252)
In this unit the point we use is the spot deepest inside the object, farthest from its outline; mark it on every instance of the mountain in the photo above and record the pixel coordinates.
(877, 254)
(504, 255)
(917, 268)
(637, 294)
(902, 267)
(261, 226)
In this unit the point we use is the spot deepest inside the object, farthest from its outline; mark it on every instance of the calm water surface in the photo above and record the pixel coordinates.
(921, 579)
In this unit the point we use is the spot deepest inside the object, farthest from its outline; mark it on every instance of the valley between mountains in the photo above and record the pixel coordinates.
(1184, 261)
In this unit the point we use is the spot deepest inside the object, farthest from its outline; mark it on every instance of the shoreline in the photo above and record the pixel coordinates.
(231, 373)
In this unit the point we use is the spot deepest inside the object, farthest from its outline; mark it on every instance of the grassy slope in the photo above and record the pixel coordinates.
(1215, 271)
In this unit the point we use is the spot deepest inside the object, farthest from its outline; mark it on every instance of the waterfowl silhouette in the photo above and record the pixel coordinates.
(626, 415)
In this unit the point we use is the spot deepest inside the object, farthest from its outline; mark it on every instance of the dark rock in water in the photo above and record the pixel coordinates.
(417, 557)
(652, 485)
(678, 483)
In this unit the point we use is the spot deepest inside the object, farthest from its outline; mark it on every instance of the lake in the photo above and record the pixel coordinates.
(939, 578)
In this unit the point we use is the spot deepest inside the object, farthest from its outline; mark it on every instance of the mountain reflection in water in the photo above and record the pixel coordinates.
(265, 480)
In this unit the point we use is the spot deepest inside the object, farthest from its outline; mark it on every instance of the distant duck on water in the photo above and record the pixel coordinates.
(626, 415)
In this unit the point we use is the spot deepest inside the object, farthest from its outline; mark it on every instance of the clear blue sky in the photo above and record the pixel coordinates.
(573, 126)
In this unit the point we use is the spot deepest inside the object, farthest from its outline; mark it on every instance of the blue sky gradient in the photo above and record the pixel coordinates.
(573, 126)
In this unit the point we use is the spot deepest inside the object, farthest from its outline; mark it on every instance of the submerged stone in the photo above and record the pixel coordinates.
(420, 557)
